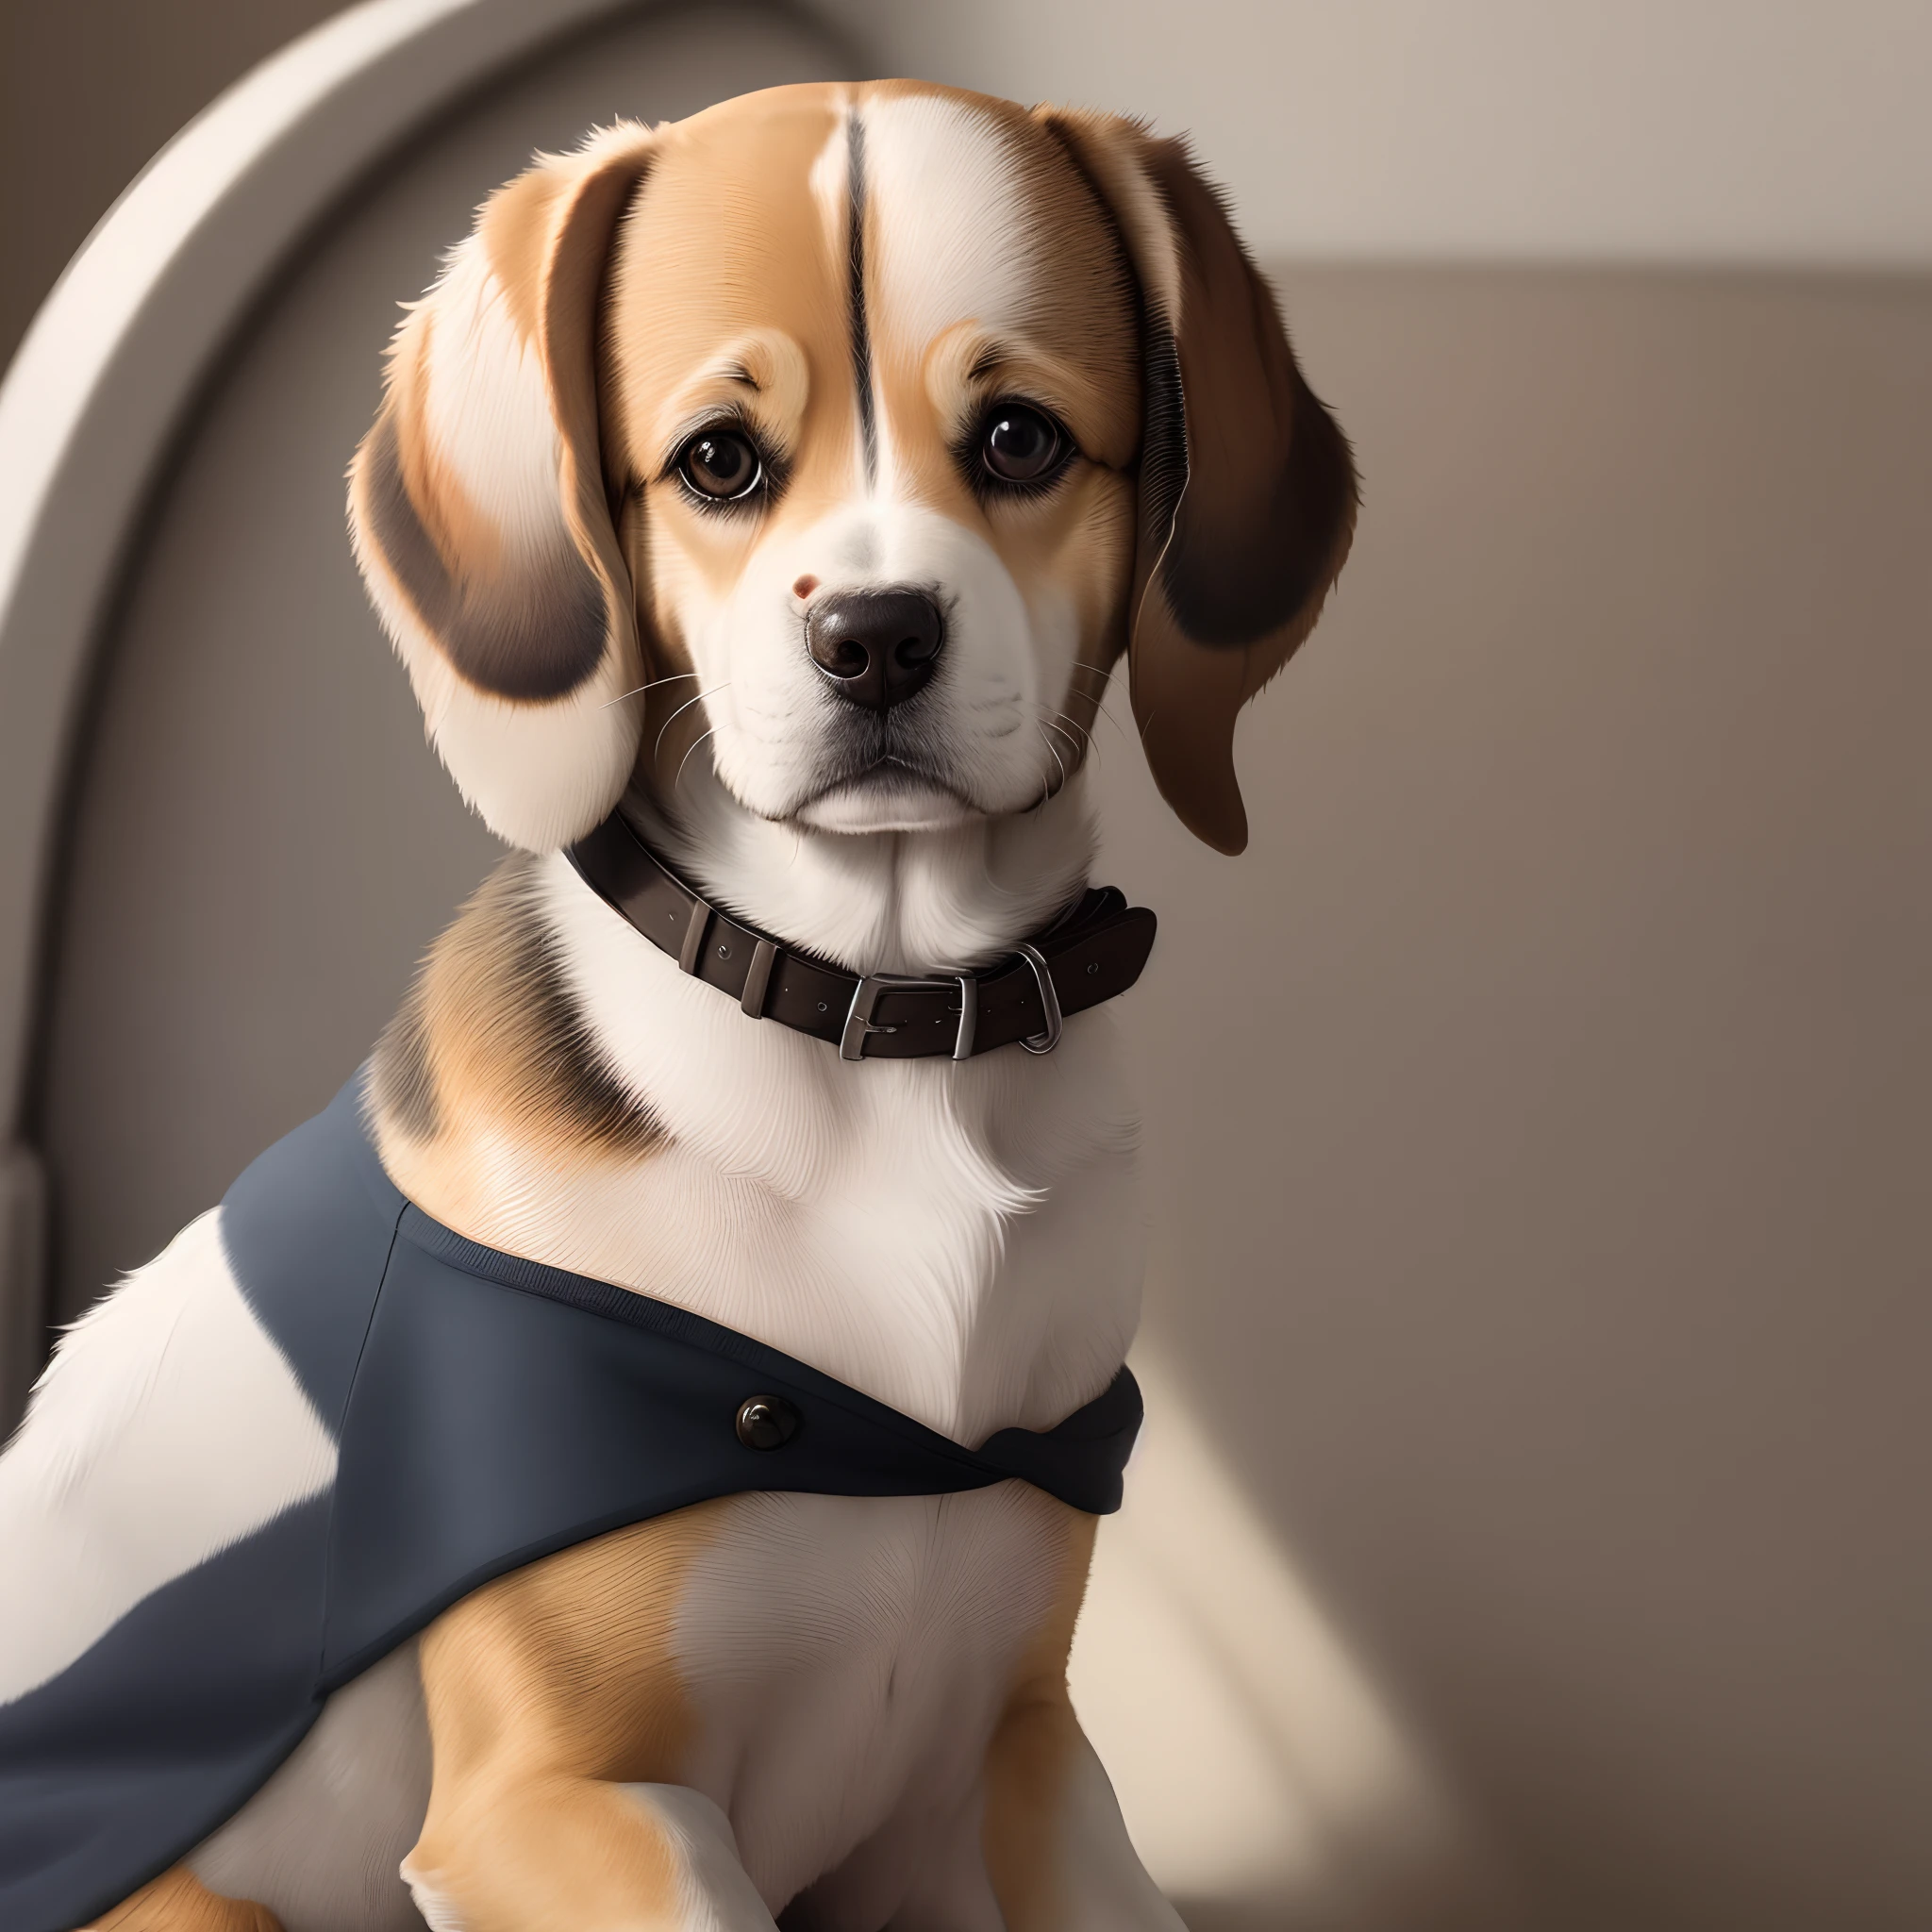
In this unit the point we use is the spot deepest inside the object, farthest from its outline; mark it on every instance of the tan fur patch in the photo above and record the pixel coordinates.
(489, 1048)
(178, 1902)
(544, 1690)
(515, 225)
(1026, 1763)
(727, 240)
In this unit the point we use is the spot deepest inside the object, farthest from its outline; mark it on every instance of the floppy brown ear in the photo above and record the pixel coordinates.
(1247, 489)
(477, 509)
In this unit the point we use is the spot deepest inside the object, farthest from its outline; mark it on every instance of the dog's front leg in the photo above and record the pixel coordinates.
(1056, 1850)
(557, 1725)
(577, 1854)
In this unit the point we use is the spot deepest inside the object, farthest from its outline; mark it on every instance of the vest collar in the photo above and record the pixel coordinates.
(1092, 952)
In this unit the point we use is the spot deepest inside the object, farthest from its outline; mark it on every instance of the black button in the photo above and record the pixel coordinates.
(766, 1421)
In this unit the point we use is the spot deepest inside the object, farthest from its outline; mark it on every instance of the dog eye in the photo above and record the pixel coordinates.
(1020, 445)
(720, 464)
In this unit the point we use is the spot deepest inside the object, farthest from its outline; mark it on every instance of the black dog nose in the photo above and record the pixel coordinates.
(876, 646)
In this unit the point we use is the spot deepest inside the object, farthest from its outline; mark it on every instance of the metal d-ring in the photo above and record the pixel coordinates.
(1049, 1037)
(969, 1018)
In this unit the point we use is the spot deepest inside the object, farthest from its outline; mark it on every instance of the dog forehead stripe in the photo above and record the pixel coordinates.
(855, 258)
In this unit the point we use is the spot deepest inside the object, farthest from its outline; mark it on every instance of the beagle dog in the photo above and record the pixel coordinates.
(788, 482)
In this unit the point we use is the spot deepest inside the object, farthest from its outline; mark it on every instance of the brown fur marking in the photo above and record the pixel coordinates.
(490, 1041)
(546, 1689)
(530, 618)
(1247, 485)
(533, 634)
(178, 1902)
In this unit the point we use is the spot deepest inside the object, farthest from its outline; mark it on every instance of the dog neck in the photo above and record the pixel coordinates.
(959, 1240)
(877, 902)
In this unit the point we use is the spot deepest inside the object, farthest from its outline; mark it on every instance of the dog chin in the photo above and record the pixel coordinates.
(886, 802)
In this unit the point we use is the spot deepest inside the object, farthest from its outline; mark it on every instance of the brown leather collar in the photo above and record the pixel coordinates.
(1092, 951)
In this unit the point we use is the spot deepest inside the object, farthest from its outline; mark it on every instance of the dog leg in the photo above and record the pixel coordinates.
(178, 1902)
(578, 1856)
(1056, 1850)
(558, 1724)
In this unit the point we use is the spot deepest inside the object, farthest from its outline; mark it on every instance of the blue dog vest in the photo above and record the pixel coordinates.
(487, 1411)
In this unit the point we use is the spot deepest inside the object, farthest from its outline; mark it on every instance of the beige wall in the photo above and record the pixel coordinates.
(1695, 131)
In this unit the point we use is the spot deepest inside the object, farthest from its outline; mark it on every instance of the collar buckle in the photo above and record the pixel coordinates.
(860, 1026)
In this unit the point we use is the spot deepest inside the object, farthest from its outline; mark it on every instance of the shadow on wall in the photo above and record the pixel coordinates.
(1262, 1777)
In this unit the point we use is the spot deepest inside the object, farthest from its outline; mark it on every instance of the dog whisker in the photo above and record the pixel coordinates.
(1081, 729)
(1059, 730)
(1048, 742)
(675, 715)
(674, 677)
(1100, 697)
(685, 759)
(1100, 708)
(1048, 713)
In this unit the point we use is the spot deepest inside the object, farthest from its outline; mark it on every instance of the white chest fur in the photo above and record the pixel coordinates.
(959, 1240)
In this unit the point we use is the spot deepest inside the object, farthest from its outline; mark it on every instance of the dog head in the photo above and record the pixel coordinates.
(853, 434)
